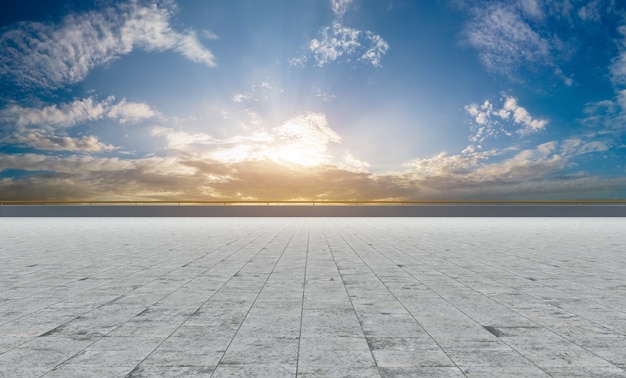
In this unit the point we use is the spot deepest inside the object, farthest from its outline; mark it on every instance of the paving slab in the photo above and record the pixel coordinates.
(312, 297)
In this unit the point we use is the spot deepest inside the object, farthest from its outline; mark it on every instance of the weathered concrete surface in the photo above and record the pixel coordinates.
(312, 297)
(431, 210)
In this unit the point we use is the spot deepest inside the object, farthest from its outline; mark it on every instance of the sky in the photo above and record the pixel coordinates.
(313, 100)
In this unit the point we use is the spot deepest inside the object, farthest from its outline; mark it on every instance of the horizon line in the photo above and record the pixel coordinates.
(313, 202)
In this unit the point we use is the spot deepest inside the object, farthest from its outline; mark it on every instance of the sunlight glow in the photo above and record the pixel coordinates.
(302, 140)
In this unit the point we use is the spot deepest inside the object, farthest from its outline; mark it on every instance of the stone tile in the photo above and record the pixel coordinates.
(236, 371)
(22, 371)
(388, 326)
(508, 371)
(185, 358)
(107, 359)
(56, 346)
(34, 358)
(334, 351)
(613, 354)
(382, 297)
(88, 327)
(29, 327)
(330, 322)
(408, 352)
(586, 372)
(8, 343)
(401, 372)
(487, 357)
(271, 326)
(221, 332)
(143, 371)
(133, 344)
(545, 353)
(65, 371)
(262, 351)
(339, 372)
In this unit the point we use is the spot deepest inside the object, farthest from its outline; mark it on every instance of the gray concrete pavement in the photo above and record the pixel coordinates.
(312, 297)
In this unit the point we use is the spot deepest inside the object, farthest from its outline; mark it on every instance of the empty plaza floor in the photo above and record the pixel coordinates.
(312, 297)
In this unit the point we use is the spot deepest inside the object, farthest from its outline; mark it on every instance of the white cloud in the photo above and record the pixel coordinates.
(64, 115)
(604, 105)
(71, 164)
(308, 127)
(528, 174)
(576, 146)
(607, 116)
(302, 140)
(531, 8)
(610, 115)
(298, 61)
(532, 164)
(518, 38)
(598, 11)
(77, 112)
(183, 140)
(179, 139)
(41, 140)
(377, 48)
(44, 128)
(338, 40)
(132, 112)
(51, 56)
(561, 9)
(353, 164)
(590, 11)
(489, 120)
(521, 116)
(568, 81)
(255, 93)
(475, 167)
(191, 48)
(340, 7)
(210, 35)
(481, 113)
(618, 67)
(335, 41)
(505, 41)
(323, 95)
(444, 164)
(534, 173)
(254, 118)
(240, 97)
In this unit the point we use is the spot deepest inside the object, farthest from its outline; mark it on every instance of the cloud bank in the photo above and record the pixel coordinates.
(529, 174)
(294, 160)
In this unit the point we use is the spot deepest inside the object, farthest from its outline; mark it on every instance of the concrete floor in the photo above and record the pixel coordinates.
(312, 297)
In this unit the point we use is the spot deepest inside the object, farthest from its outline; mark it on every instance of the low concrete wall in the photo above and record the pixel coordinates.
(465, 210)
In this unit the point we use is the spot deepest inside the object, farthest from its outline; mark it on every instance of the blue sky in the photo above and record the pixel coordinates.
(328, 99)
